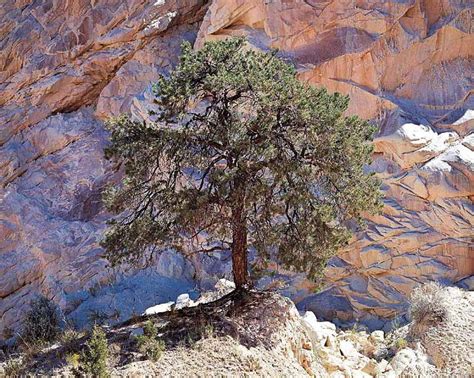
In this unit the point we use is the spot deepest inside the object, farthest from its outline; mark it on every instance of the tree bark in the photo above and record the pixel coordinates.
(239, 236)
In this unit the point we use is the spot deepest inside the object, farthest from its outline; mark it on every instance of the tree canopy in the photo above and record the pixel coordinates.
(244, 156)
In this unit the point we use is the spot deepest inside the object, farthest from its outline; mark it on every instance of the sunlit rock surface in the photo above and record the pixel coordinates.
(406, 65)
(66, 66)
(63, 68)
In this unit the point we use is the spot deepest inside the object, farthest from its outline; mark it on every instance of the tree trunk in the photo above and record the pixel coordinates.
(239, 236)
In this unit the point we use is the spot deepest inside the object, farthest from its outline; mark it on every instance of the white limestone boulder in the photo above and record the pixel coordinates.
(320, 331)
(183, 301)
(377, 336)
(163, 307)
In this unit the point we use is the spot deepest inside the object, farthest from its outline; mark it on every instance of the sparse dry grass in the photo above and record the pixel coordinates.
(443, 321)
(233, 336)
(428, 306)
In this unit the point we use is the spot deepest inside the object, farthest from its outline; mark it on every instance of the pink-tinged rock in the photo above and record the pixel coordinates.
(65, 65)
(59, 63)
(406, 65)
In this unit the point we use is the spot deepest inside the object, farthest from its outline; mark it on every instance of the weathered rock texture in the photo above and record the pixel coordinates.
(408, 65)
(262, 334)
(65, 66)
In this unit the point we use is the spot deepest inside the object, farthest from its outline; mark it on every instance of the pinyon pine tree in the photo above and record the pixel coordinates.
(242, 155)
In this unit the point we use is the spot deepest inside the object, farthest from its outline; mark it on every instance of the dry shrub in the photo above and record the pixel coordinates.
(14, 368)
(252, 364)
(42, 322)
(401, 343)
(428, 307)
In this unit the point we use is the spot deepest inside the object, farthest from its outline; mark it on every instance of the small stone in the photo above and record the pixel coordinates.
(381, 367)
(347, 348)
(377, 336)
(388, 374)
(402, 360)
(183, 301)
(329, 360)
(319, 331)
(224, 285)
(370, 367)
(360, 374)
(307, 345)
(356, 361)
(182, 298)
(306, 360)
(346, 370)
(331, 342)
(310, 318)
(327, 325)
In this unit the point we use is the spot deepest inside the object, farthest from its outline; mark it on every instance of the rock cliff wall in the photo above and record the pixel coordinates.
(406, 65)
(66, 66)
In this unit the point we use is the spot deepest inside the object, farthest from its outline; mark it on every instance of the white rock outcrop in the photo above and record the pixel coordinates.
(183, 301)
(162, 307)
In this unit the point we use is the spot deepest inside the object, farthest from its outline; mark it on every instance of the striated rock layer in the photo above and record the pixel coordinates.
(66, 66)
(407, 65)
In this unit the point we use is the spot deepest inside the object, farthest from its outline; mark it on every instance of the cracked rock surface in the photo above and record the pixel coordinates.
(66, 66)
(405, 64)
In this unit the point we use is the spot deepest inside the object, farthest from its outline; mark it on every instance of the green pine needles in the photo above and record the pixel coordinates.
(95, 354)
(245, 155)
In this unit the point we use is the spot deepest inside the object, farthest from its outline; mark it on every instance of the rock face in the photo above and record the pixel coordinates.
(405, 64)
(64, 67)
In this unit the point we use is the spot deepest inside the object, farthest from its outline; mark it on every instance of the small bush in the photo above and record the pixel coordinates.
(208, 331)
(70, 340)
(152, 349)
(148, 344)
(74, 360)
(428, 306)
(42, 322)
(252, 364)
(150, 330)
(200, 330)
(94, 356)
(401, 343)
(70, 336)
(14, 368)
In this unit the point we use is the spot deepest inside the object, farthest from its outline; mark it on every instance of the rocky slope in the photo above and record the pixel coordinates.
(262, 334)
(65, 67)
